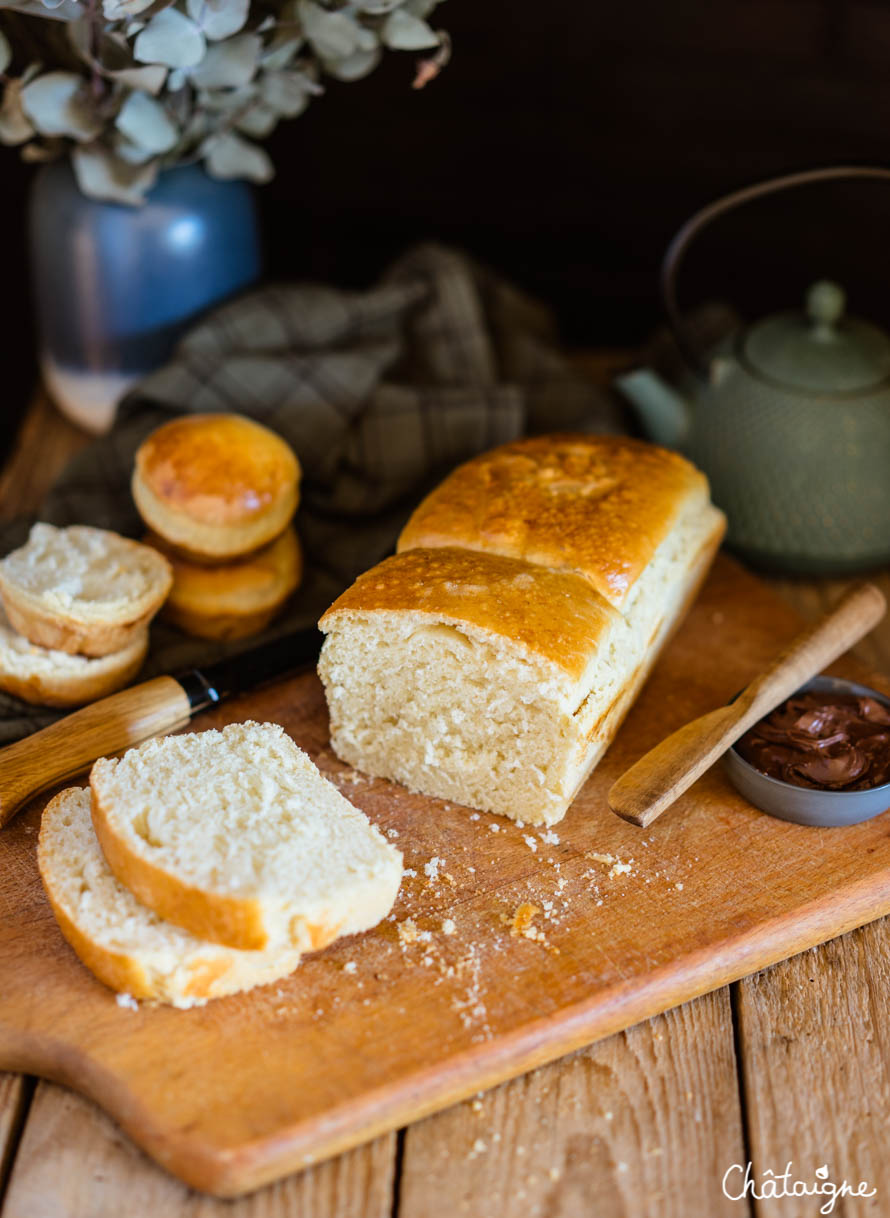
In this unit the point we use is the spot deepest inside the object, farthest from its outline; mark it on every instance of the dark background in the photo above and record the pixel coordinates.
(565, 143)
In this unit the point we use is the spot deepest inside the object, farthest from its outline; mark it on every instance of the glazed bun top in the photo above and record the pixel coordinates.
(218, 469)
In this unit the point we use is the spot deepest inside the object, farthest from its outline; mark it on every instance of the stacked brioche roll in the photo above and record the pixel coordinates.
(203, 864)
(218, 493)
(77, 603)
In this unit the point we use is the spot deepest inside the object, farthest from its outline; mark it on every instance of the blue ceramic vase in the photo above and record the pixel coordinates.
(116, 286)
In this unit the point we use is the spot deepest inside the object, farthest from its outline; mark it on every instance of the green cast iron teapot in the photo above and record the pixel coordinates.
(789, 418)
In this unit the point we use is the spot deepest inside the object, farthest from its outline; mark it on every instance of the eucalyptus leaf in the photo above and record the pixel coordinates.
(218, 18)
(149, 79)
(281, 50)
(15, 126)
(131, 153)
(103, 175)
(354, 67)
(287, 93)
(57, 104)
(229, 156)
(404, 32)
(229, 64)
(332, 35)
(172, 39)
(259, 121)
(5, 52)
(367, 39)
(146, 124)
(116, 10)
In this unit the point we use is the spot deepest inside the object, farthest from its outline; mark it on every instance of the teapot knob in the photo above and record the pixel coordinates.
(826, 302)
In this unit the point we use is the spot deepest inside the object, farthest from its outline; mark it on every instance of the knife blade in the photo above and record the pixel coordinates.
(110, 725)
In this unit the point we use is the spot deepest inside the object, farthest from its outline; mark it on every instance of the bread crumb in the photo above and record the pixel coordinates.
(601, 858)
(127, 1002)
(494, 828)
(448, 927)
(551, 838)
(474, 816)
(350, 966)
(409, 872)
(478, 1148)
(431, 869)
(407, 931)
(679, 887)
(476, 1105)
(554, 1173)
(531, 843)
(522, 923)
(392, 833)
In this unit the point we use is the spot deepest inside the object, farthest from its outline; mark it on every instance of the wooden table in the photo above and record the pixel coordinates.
(792, 1064)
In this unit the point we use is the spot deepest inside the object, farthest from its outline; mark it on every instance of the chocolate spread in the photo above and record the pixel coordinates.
(833, 742)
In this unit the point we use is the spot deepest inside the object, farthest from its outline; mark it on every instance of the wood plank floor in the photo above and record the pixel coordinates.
(792, 1064)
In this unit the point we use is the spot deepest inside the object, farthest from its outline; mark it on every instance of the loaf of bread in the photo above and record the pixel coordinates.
(82, 590)
(235, 599)
(235, 836)
(491, 661)
(215, 486)
(55, 678)
(122, 942)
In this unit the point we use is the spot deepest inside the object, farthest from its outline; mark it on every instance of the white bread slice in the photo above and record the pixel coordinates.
(237, 837)
(55, 678)
(82, 590)
(127, 946)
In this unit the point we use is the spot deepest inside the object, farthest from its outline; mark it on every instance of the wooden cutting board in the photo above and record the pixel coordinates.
(508, 946)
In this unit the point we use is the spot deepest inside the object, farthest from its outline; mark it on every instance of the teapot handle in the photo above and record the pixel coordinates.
(676, 251)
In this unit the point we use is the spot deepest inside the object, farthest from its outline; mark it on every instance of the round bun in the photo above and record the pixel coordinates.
(82, 590)
(215, 486)
(55, 678)
(236, 599)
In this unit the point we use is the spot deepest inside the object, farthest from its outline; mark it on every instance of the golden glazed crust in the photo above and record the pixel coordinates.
(236, 599)
(598, 505)
(96, 678)
(233, 921)
(553, 614)
(216, 485)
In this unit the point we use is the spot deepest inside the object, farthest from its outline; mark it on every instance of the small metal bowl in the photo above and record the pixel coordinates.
(803, 805)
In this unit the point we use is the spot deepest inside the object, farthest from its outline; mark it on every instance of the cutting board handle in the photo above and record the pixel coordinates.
(68, 747)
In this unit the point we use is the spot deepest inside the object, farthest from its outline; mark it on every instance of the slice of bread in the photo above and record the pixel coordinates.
(236, 836)
(82, 590)
(55, 678)
(127, 946)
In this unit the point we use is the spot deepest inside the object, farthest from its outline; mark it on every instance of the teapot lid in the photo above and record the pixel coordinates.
(822, 352)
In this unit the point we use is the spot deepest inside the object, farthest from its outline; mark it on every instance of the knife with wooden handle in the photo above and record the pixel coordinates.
(68, 747)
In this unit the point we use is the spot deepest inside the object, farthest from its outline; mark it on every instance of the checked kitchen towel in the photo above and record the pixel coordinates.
(379, 392)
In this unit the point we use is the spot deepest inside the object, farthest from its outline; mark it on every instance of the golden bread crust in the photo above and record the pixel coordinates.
(232, 921)
(96, 680)
(553, 614)
(79, 627)
(235, 599)
(597, 505)
(98, 639)
(204, 971)
(216, 485)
